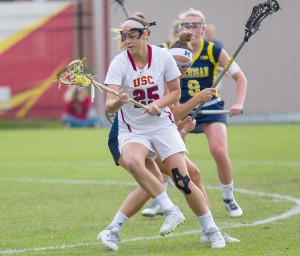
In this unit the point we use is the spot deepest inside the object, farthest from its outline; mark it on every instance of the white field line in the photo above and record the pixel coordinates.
(77, 182)
(111, 163)
(55, 163)
(294, 211)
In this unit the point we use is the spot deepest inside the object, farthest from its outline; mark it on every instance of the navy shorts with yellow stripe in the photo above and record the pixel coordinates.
(113, 142)
(210, 118)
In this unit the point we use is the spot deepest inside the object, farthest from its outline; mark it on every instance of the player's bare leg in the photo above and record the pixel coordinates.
(217, 138)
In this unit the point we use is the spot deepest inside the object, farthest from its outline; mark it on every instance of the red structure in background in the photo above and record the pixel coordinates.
(29, 66)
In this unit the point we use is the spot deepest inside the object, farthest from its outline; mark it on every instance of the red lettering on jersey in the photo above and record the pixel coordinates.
(143, 81)
(136, 82)
(150, 80)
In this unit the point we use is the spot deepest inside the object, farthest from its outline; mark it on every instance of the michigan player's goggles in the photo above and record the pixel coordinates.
(196, 24)
(182, 52)
(184, 64)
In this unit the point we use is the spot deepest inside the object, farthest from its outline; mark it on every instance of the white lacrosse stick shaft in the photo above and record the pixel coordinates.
(213, 112)
(105, 88)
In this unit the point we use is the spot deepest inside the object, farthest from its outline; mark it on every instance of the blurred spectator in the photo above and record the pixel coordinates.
(77, 109)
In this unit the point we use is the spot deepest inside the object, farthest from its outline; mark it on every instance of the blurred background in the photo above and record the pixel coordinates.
(39, 37)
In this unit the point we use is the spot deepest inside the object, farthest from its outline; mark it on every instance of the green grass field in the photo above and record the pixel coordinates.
(59, 188)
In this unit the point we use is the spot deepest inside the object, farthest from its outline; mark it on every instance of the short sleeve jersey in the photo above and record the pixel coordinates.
(202, 74)
(143, 85)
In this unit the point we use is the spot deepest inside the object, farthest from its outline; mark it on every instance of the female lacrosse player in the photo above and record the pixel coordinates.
(141, 72)
(202, 74)
(181, 51)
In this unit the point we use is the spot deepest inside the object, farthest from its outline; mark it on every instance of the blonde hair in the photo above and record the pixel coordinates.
(193, 12)
(183, 40)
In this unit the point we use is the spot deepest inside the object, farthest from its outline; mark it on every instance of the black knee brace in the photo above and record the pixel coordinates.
(185, 180)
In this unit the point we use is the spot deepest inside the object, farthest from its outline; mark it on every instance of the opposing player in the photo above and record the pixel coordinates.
(181, 51)
(141, 72)
(202, 74)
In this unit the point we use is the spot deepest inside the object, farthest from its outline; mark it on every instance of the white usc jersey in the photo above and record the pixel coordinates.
(143, 85)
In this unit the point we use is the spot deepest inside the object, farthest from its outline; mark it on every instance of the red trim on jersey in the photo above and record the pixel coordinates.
(170, 116)
(128, 126)
(131, 61)
(149, 58)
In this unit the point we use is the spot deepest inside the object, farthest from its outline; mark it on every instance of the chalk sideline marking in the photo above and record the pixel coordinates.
(294, 211)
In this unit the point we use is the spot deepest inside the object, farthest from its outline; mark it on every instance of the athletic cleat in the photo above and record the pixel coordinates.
(173, 218)
(227, 238)
(152, 210)
(109, 237)
(215, 237)
(234, 209)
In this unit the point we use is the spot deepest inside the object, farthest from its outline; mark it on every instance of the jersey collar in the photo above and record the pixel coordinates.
(195, 57)
(149, 58)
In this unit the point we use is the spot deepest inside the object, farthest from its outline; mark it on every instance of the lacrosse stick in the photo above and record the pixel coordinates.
(213, 112)
(74, 74)
(121, 2)
(259, 13)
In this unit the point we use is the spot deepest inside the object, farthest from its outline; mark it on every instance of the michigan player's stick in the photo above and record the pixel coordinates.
(214, 112)
(122, 3)
(259, 13)
(74, 74)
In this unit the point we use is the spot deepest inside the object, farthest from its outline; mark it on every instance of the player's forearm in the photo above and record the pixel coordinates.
(113, 105)
(241, 82)
(170, 98)
(181, 111)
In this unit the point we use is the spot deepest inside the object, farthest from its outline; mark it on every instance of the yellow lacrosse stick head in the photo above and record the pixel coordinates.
(82, 81)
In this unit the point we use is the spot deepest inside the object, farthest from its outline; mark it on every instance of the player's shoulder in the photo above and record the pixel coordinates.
(120, 58)
(121, 55)
(165, 45)
(216, 46)
(157, 48)
(162, 55)
(159, 51)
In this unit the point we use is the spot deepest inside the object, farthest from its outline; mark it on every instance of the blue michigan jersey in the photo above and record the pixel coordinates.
(202, 74)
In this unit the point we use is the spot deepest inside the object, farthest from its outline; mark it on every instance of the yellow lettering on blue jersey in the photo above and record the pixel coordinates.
(198, 72)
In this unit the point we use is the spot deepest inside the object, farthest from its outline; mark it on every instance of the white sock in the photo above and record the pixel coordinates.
(119, 220)
(206, 221)
(164, 201)
(227, 190)
(165, 185)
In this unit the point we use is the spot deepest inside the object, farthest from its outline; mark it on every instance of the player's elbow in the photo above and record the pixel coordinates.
(240, 78)
(177, 95)
(109, 106)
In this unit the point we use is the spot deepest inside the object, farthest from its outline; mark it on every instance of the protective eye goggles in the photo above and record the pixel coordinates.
(192, 24)
(139, 29)
(134, 33)
(184, 64)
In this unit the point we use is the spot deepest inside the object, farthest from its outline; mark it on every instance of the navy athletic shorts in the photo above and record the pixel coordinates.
(113, 142)
(210, 118)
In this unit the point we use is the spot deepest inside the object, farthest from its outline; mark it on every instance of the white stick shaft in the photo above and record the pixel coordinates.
(214, 112)
(105, 88)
